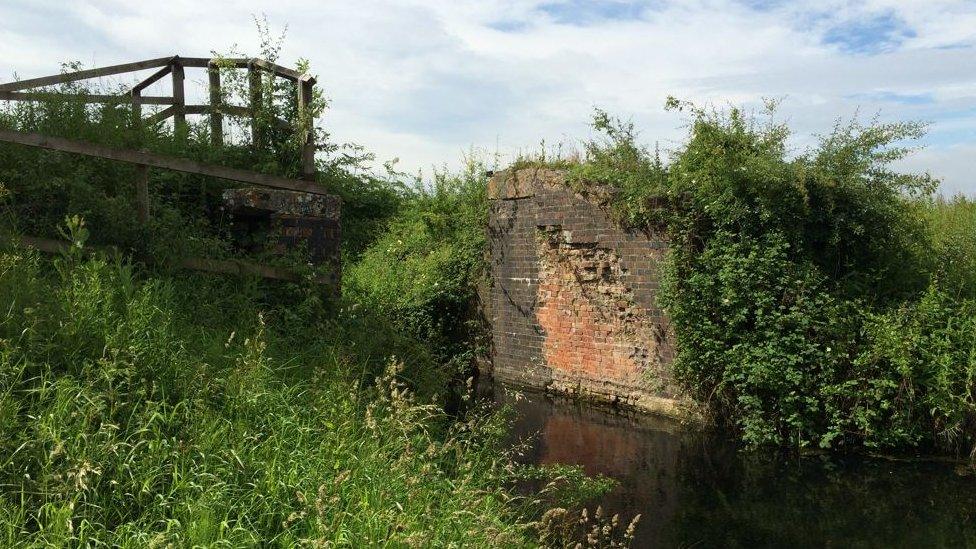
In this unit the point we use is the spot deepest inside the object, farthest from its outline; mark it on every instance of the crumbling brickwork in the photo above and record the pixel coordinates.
(573, 298)
(289, 220)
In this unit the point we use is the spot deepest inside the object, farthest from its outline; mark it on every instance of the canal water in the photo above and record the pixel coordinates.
(698, 490)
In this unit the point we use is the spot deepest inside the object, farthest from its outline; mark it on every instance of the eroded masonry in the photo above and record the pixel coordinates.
(573, 297)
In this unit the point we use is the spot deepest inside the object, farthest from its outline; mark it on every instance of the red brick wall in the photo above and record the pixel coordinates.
(573, 297)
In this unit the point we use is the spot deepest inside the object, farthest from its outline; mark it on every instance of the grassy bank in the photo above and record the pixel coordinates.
(147, 406)
(146, 410)
(144, 406)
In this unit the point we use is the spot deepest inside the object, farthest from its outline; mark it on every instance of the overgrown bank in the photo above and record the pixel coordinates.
(818, 299)
(144, 406)
(148, 406)
(190, 410)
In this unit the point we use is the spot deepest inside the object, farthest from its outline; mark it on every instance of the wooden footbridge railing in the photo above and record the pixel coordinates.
(174, 67)
(144, 160)
(178, 109)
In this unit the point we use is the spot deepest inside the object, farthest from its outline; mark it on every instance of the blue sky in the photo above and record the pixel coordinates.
(429, 81)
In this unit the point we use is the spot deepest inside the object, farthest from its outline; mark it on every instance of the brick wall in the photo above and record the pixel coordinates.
(280, 221)
(572, 297)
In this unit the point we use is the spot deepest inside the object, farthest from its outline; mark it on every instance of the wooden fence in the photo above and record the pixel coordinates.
(176, 107)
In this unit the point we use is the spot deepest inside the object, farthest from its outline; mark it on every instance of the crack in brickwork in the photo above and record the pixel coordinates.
(572, 301)
(592, 324)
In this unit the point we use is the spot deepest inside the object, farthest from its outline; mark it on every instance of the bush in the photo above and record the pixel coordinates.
(758, 336)
(423, 272)
(814, 297)
(912, 383)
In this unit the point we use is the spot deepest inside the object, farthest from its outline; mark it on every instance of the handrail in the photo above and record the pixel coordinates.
(83, 74)
(159, 161)
(196, 62)
(174, 66)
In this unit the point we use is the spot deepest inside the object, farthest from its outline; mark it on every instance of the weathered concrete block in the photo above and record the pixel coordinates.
(274, 201)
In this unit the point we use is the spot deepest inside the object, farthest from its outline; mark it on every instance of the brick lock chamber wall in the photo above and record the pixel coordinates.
(572, 298)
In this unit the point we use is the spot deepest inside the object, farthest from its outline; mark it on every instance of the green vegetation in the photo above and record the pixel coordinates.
(425, 268)
(189, 410)
(818, 299)
(147, 406)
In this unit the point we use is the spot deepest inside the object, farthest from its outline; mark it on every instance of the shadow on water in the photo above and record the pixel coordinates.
(698, 490)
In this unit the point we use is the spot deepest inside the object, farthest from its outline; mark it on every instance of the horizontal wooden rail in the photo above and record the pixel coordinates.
(176, 107)
(232, 110)
(82, 75)
(283, 72)
(165, 62)
(85, 98)
(159, 161)
(243, 63)
(206, 62)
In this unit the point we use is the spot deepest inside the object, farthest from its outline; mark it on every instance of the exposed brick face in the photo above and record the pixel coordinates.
(572, 301)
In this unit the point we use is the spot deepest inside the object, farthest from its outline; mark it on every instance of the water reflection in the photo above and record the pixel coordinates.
(695, 490)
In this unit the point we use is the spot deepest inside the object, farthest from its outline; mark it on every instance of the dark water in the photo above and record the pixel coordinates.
(697, 490)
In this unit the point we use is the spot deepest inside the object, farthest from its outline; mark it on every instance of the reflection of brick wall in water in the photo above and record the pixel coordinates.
(572, 301)
(599, 449)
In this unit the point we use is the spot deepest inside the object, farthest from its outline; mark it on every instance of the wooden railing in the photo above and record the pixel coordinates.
(144, 161)
(176, 106)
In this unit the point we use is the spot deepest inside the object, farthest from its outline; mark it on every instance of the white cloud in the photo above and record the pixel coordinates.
(425, 81)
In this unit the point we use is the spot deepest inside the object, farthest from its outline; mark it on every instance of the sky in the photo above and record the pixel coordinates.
(430, 82)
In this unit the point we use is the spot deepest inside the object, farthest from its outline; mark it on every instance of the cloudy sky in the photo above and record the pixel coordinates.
(428, 81)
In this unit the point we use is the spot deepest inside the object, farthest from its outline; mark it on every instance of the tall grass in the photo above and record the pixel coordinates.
(171, 411)
(146, 407)
(953, 224)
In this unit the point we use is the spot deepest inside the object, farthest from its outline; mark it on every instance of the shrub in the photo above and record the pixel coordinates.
(423, 272)
(814, 296)
(912, 383)
(758, 335)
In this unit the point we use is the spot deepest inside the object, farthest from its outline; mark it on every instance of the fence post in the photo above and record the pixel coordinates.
(179, 97)
(216, 116)
(306, 125)
(254, 85)
(142, 193)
